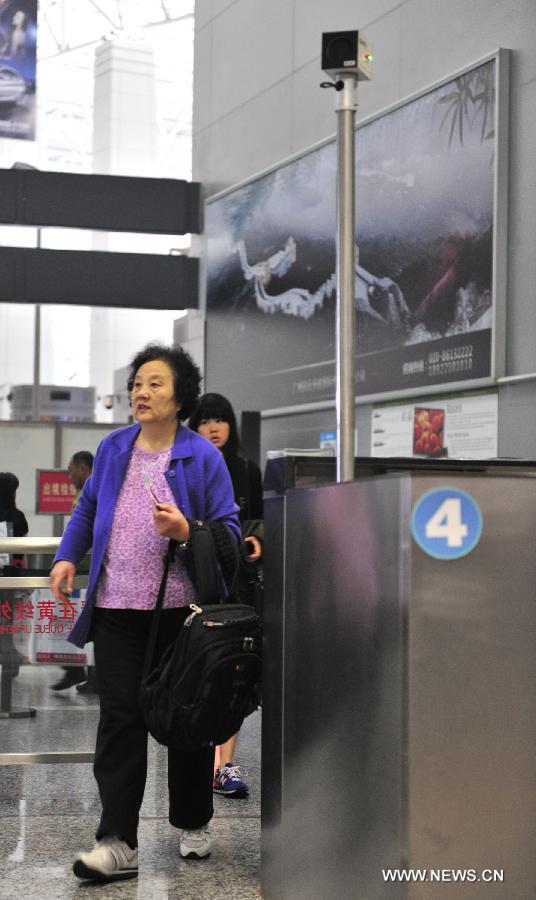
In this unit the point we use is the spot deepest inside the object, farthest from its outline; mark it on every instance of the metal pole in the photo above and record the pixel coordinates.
(37, 362)
(57, 520)
(345, 393)
(36, 406)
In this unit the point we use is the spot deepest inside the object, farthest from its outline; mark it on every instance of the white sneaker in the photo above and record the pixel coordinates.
(110, 860)
(195, 843)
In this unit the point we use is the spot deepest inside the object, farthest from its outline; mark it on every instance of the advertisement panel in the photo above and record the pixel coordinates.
(459, 426)
(426, 296)
(39, 625)
(18, 38)
(50, 623)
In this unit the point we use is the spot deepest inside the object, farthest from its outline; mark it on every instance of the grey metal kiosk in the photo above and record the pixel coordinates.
(399, 728)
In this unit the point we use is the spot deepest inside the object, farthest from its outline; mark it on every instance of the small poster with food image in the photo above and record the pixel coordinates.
(429, 431)
(453, 426)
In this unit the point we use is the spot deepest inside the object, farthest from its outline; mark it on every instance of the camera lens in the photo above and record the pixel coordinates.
(341, 51)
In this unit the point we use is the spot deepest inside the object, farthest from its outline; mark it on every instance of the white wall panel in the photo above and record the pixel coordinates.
(78, 437)
(202, 13)
(230, 160)
(202, 152)
(23, 449)
(202, 111)
(516, 439)
(17, 330)
(521, 306)
(438, 38)
(257, 120)
(251, 51)
(219, 6)
(313, 109)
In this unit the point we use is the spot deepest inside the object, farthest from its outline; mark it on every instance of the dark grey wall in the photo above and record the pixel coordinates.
(517, 436)
(303, 430)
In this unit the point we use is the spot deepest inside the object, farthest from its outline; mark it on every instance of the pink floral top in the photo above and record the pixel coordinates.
(133, 561)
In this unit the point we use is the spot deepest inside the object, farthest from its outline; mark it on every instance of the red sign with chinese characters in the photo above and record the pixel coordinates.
(55, 492)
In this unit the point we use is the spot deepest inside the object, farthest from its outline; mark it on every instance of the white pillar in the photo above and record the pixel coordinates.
(124, 129)
(125, 138)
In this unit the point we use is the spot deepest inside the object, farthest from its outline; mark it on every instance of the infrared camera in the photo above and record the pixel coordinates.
(346, 51)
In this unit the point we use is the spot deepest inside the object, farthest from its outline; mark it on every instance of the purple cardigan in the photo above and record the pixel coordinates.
(199, 481)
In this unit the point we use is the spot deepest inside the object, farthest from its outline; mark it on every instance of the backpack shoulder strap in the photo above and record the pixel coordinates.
(226, 551)
(207, 579)
(151, 643)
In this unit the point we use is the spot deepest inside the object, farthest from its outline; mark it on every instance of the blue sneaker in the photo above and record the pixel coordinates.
(229, 781)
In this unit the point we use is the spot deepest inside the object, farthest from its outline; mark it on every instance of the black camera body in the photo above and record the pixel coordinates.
(346, 51)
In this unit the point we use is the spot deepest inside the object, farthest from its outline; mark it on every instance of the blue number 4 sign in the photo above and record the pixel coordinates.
(446, 523)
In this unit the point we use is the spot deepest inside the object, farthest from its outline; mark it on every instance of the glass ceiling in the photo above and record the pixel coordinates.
(68, 32)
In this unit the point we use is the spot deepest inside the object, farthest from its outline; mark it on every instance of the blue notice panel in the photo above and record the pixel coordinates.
(446, 523)
(328, 438)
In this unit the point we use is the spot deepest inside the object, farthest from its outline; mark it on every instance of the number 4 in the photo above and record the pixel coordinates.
(447, 523)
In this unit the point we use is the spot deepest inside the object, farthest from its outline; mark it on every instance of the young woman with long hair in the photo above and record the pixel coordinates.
(214, 418)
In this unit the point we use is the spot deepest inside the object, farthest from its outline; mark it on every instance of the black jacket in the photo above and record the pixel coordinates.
(17, 519)
(247, 486)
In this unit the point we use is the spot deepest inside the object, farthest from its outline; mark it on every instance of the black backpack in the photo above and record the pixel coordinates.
(209, 679)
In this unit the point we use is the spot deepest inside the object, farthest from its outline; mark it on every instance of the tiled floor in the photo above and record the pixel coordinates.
(48, 812)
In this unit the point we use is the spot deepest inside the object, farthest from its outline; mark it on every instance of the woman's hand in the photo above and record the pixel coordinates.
(62, 579)
(170, 522)
(256, 553)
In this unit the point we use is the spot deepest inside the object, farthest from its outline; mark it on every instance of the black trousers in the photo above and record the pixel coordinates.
(120, 638)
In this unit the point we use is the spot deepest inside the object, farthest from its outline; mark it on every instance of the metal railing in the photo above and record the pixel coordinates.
(30, 546)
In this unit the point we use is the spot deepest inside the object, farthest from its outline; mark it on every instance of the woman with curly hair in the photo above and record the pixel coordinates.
(149, 481)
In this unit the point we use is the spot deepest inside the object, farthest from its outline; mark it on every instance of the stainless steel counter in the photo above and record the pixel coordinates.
(399, 722)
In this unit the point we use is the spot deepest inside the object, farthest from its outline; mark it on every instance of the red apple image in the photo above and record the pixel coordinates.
(428, 425)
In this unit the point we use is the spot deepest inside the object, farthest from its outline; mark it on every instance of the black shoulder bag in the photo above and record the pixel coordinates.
(209, 679)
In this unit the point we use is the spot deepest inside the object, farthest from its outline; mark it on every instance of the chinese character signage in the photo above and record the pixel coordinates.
(51, 623)
(55, 492)
(39, 624)
(428, 298)
(18, 35)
